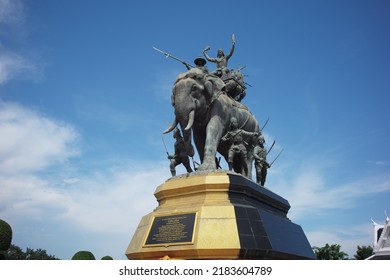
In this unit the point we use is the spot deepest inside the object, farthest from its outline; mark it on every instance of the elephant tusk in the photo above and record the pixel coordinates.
(172, 127)
(191, 118)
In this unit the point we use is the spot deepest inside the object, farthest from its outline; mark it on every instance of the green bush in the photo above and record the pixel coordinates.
(5, 235)
(107, 258)
(83, 255)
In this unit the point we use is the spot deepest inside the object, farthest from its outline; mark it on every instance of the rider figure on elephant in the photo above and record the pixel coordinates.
(221, 60)
(234, 80)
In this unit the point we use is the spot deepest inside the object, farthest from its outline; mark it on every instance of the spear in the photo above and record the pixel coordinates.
(165, 146)
(269, 150)
(265, 124)
(276, 158)
(171, 56)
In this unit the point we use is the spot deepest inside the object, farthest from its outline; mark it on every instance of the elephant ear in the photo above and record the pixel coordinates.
(214, 86)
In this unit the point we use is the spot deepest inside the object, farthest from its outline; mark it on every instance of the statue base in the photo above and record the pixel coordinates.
(219, 215)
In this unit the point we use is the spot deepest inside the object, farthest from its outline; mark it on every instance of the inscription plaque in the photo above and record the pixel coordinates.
(171, 229)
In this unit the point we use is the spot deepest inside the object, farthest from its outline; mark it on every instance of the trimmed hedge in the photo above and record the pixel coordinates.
(83, 255)
(5, 235)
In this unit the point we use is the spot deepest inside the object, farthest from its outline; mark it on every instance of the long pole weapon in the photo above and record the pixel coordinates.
(276, 158)
(265, 124)
(165, 146)
(171, 56)
(269, 150)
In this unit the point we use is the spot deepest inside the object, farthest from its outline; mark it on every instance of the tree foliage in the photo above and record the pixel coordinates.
(83, 255)
(5, 235)
(330, 252)
(363, 252)
(16, 253)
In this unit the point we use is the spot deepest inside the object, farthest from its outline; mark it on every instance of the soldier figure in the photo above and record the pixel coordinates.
(200, 63)
(237, 149)
(180, 155)
(261, 164)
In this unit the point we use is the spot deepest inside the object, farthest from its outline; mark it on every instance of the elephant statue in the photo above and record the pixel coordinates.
(203, 108)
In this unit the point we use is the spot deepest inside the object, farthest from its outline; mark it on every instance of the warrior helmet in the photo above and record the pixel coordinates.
(200, 61)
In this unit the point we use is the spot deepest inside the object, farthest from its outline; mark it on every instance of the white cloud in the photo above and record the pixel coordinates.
(31, 142)
(162, 86)
(11, 11)
(99, 210)
(110, 201)
(322, 207)
(99, 202)
(15, 62)
(105, 201)
(308, 188)
(348, 237)
(12, 65)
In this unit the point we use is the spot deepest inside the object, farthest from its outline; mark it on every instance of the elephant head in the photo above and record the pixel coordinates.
(192, 94)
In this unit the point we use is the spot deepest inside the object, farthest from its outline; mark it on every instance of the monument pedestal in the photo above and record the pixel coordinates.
(218, 215)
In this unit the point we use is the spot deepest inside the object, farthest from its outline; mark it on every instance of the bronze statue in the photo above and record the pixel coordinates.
(237, 150)
(208, 109)
(202, 107)
(181, 155)
(261, 164)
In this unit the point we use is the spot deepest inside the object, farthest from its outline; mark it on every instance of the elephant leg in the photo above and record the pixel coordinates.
(199, 139)
(213, 136)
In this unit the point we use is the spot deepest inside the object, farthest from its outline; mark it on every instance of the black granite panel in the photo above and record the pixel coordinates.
(247, 241)
(262, 242)
(286, 236)
(244, 226)
(253, 214)
(264, 230)
(241, 212)
(258, 228)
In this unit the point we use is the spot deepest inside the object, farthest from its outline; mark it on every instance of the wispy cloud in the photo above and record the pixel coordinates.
(15, 62)
(162, 86)
(11, 11)
(31, 142)
(317, 202)
(310, 189)
(12, 65)
(102, 201)
(346, 236)
(109, 200)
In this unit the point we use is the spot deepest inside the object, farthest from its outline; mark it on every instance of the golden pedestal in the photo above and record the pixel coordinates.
(218, 215)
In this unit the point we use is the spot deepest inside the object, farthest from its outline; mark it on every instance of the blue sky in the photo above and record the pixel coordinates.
(84, 99)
